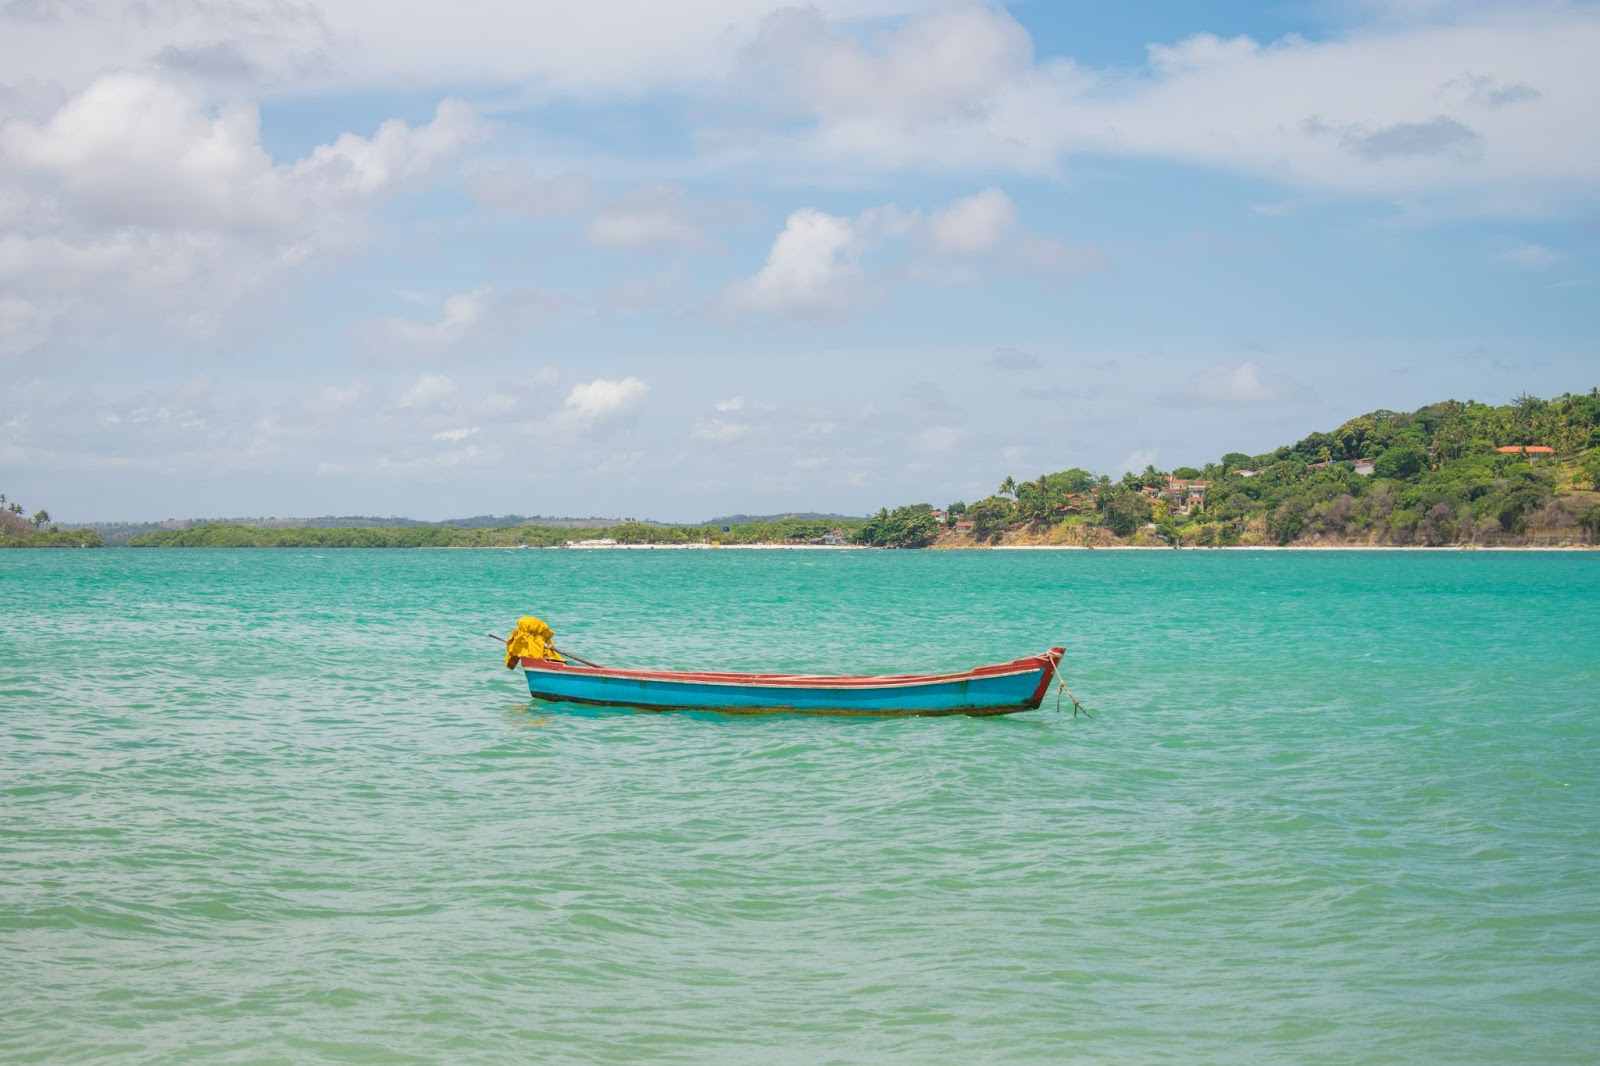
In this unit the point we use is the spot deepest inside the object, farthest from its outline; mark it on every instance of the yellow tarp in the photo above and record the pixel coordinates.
(531, 639)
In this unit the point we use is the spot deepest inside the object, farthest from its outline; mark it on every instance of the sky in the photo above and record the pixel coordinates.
(675, 261)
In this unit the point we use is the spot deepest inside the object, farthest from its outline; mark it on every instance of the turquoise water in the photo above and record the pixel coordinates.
(285, 805)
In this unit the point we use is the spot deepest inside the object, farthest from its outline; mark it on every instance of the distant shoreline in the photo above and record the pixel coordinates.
(1041, 547)
(1288, 548)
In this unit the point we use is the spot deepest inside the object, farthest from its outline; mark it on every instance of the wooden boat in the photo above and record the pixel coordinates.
(1003, 688)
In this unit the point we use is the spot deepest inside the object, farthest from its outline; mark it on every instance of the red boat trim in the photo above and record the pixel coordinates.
(1053, 657)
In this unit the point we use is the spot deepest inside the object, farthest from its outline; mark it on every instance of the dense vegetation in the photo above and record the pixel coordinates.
(912, 526)
(118, 534)
(220, 535)
(18, 531)
(1436, 478)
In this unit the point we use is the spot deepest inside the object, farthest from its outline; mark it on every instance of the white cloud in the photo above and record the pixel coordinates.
(719, 431)
(429, 391)
(133, 150)
(605, 398)
(1490, 109)
(984, 226)
(407, 339)
(941, 61)
(320, 45)
(135, 202)
(815, 268)
(355, 167)
(451, 435)
(1498, 94)
(735, 403)
(811, 270)
(973, 225)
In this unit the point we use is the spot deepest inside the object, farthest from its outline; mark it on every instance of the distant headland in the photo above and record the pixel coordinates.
(17, 530)
(1450, 474)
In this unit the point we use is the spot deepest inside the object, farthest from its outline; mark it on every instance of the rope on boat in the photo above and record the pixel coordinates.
(505, 640)
(1061, 686)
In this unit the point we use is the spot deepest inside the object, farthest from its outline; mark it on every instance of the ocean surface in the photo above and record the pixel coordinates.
(1335, 807)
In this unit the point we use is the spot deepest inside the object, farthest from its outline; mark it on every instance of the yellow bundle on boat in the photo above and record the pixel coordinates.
(531, 639)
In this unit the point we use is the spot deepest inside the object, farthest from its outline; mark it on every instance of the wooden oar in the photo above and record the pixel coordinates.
(503, 641)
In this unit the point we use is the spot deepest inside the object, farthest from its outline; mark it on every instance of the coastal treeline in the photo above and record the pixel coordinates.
(227, 535)
(912, 526)
(20, 530)
(1449, 473)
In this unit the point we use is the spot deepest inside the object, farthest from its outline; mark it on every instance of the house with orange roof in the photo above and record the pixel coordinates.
(1184, 496)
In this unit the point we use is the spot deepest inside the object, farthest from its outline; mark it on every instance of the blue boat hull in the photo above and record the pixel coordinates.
(1000, 689)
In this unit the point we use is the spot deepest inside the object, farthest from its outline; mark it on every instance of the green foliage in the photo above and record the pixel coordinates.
(1123, 511)
(1589, 469)
(1437, 480)
(786, 530)
(911, 526)
(1512, 506)
(1404, 461)
(776, 531)
(52, 538)
(17, 531)
(1075, 480)
(990, 516)
(1038, 500)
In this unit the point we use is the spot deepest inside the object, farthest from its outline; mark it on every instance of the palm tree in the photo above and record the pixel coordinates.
(40, 517)
(1042, 504)
(1008, 487)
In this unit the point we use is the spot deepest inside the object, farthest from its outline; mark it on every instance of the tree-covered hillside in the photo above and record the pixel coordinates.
(19, 530)
(1524, 473)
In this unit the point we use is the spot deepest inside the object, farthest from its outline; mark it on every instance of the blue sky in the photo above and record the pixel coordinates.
(674, 261)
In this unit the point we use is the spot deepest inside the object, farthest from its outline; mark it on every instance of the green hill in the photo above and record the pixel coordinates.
(1524, 474)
